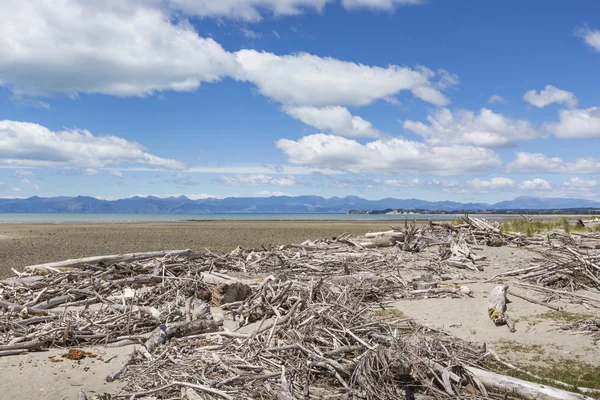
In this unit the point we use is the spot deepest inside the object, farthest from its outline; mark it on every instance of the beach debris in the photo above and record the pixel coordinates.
(497, 304)
(291, 322)
(497, 307)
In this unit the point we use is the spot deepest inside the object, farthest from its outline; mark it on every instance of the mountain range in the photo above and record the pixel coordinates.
(268, 205)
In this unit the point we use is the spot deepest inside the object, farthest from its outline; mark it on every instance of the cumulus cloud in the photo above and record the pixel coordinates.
(337, 120)
(89, 172)
(137, 48)
(577, 183)
(124, 48)
(261, 169)
(474, 186)
(267, 193)
(258, 180)
(29, 185)
(486, 129)
(387, 156)
(256, 10)
(379, 4)
(550, 95)
(497, 99)
(115, 173)
(308, 80)
(440, 185)
(497, 183)
(248, 10)
(250, 34)
(537, 162)
(591, 37)
(32, 145)
(578, 123)
(22, 173)
(580, 188)
(536, 185)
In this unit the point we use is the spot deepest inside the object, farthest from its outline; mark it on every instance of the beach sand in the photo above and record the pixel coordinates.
(22, 245)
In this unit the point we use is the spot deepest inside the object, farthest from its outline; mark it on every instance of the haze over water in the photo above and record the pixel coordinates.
(27, 218)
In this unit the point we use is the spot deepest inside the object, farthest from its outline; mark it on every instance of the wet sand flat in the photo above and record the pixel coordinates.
(23, 245)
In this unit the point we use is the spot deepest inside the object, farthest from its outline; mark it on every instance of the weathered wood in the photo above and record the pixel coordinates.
(521, 388)
(128, 257)
(497, 304)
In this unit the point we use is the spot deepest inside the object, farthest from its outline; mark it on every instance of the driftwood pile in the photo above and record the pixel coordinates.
(295, 322)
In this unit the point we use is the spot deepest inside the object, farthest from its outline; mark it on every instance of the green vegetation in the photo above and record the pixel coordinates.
(530, 228)
(565, 316)
(596, 228)
(573, 373)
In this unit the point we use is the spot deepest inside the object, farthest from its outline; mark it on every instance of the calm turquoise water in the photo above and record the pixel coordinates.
(73, 218)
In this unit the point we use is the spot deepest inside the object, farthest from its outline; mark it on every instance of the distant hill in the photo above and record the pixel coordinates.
(268, 205)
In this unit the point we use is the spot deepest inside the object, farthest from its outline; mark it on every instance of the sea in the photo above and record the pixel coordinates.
(31, 218)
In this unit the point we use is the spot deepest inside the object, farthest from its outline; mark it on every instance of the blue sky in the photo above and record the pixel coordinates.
(433, 99)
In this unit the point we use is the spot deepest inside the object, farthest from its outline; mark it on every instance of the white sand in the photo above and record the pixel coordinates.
(34, 376)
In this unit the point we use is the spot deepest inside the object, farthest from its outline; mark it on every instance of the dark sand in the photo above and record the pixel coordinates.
(22, 245)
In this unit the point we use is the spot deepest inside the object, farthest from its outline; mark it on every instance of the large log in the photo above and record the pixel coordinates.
(523, 389)
(497, 304)
(111, 259)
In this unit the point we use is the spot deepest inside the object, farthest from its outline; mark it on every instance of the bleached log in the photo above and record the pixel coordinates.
(371, 235)
(523, 389)
(497, 304)
(110, 259)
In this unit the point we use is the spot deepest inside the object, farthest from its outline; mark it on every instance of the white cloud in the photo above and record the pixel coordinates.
(379, 4)
(591, 37)
(137, 48)
(29, 185)
(578, 123)
(258, 180)
(337, 120)
(89, 172)
(123, 48)
(486, 129)
(21, 173)
(266, 193)
(550, 95)
(387, 156)
(474, 186)
(308, 80)
(577, 183)
(116, 174)
(537, 162)
(256, 10)
(536, 185)
(260, 169)
(497, 183)
(440, 185)
(497, 99)
(248, 10)
(32, 145)
(250, 34)
(195, 196)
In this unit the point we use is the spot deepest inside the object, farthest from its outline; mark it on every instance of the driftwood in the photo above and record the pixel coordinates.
(497, 304)
(309, 313)
(521, 388)
(129, 257)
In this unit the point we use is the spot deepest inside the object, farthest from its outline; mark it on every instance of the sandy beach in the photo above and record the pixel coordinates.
(22, 245)
(538, 341)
